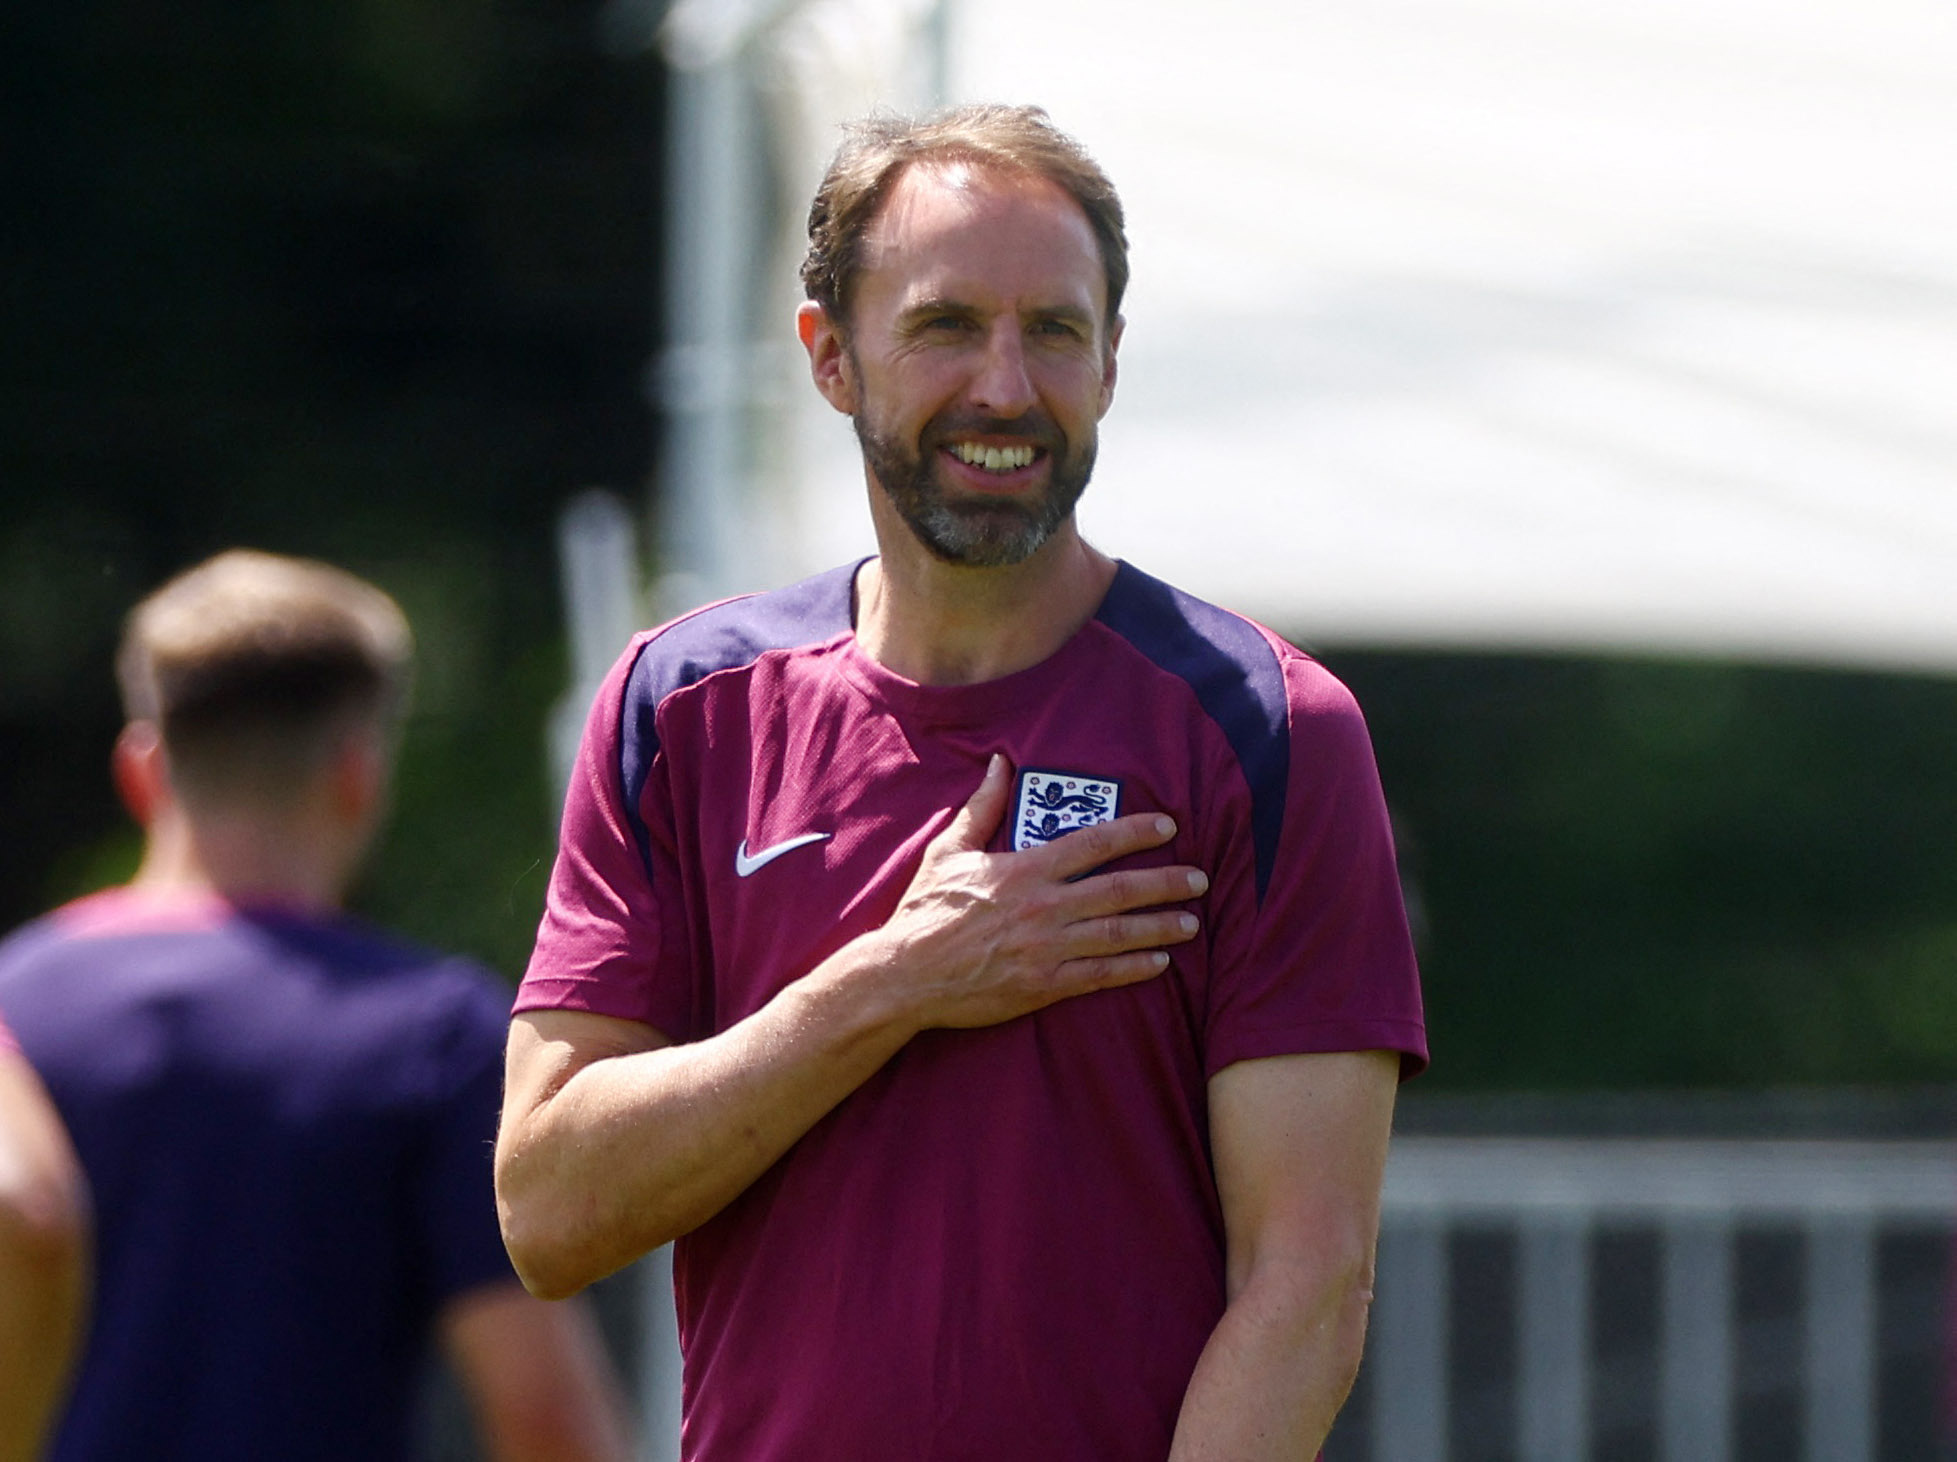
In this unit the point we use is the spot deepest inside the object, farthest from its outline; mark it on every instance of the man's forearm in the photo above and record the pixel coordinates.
(43, 1284)
(538, 1379)
(632, 1151)
(45, 1260)
(1276, 1370)
(1299, 1144)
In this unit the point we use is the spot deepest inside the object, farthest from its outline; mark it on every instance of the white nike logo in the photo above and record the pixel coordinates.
(744, 865)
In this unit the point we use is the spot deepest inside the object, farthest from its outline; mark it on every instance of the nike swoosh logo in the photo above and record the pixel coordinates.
(745, 864)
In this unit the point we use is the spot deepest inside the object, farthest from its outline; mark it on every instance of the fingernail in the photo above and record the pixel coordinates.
(1199, 881)
(1187, 923)
(1165, 827)
(1159, 960)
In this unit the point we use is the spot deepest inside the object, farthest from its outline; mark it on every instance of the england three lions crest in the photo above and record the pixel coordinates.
(1052, 804)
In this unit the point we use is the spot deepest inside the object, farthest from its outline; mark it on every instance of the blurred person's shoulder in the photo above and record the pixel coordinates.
(430, 989)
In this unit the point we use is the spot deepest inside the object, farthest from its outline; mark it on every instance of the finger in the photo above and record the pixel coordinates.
(1128, 933)
(1087, 848)
(1078, 976)
(982, 813)
(1135, 888)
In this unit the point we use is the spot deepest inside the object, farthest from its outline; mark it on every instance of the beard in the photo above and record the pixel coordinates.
(974, 531)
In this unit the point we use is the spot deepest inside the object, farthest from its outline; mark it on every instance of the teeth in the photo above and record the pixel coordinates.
(994, 459)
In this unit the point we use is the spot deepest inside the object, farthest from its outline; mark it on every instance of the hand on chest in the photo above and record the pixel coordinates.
(821, 850)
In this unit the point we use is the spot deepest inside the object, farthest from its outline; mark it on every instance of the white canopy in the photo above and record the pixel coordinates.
(1514, 323)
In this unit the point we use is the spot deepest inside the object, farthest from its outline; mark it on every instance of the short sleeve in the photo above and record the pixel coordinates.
(455, 1180)
(613, 898)
(1320, 957)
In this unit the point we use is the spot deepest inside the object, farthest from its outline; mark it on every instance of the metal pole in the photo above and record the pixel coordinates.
(702, 377)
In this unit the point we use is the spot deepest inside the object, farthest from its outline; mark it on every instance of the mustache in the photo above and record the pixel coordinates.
(1033, 426)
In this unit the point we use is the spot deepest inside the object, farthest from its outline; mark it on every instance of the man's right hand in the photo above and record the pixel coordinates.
(981, 938)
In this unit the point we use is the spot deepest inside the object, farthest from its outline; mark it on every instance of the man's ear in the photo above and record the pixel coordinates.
(358, 775)
(140, 769)
(1108, 371)
(829, 362)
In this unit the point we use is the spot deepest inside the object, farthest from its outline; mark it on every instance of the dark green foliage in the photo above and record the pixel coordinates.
(1676, 874)
(369, 282)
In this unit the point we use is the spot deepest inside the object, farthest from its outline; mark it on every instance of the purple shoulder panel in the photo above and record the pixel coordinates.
(1236, 678)
(724, 636)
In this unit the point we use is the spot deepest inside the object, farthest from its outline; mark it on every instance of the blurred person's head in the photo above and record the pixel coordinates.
(1015, 140)
(263, 692)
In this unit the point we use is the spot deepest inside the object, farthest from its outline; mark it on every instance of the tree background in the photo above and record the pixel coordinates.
(371, 282)
(377, 283)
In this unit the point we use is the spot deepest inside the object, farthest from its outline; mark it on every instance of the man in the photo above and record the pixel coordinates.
(285, 1116)
(985, 960)
(43, 1256)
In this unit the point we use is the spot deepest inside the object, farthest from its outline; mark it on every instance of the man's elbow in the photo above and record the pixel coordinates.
(538, 1249)
(46, 1226)
(556, 1249)
(1321, 1305)
(539, 1235)
(1348, 1310)
(565, 1229)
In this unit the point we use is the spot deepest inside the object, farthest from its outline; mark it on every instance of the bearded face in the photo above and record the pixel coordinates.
(976, 360)
(976, 529)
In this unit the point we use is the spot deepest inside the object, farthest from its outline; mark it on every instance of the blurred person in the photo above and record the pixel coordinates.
(286, 1117)
(44, 1257)
(985, 960)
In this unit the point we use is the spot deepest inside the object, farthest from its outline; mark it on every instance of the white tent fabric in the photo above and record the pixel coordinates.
(1514, 323)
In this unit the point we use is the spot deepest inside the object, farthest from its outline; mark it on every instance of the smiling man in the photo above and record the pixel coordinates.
(984, 959)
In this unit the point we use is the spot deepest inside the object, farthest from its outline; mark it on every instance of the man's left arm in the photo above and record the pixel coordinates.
(536, 1376)
(1299, 1143)
(45, 1257)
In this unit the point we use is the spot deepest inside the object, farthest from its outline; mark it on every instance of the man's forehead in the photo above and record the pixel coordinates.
(944, 220)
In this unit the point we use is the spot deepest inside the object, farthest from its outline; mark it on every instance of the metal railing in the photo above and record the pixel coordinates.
(1554, 1198)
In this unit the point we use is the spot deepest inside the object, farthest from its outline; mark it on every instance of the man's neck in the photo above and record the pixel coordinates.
(943, 624)
(241, 858)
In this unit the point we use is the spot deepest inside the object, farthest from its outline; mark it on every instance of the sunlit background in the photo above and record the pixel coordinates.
(1579, 380)
(1552, 323)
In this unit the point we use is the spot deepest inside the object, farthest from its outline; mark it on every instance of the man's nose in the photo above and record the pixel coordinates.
(1002, 386)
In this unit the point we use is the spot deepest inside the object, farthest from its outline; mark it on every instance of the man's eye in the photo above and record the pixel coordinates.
(1057, 329)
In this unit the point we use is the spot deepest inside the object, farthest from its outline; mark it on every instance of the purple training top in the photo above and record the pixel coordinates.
(1008, 1242)
(286, 1126)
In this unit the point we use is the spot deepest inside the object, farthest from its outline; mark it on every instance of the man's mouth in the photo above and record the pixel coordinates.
(993, 459)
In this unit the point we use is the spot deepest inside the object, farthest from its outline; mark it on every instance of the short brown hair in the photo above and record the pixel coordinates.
(252, 664)
(877, 151)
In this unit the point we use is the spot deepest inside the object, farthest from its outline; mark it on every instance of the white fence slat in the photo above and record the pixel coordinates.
(1696, 1315)
(1841, 1319)
(1408, 1365)
(1553, 1401)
